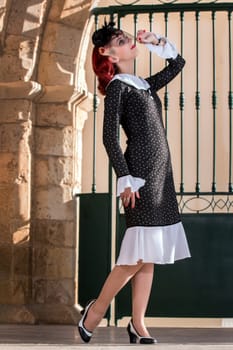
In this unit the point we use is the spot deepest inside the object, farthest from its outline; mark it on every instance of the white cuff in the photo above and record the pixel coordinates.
(129, 181)
(165, 51)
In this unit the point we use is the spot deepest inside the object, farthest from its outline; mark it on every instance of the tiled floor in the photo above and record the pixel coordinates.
(52, 337)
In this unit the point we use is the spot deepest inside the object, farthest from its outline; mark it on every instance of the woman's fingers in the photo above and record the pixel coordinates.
(128, 198)
(145, 37)
(139, 36)
(141, 31)
(133, 200)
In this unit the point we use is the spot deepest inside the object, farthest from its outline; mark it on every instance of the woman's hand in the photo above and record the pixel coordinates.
(128, 197)
(145, 37)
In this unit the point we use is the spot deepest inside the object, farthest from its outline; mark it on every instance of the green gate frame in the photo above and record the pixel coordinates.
(94, 244)
(196, 287)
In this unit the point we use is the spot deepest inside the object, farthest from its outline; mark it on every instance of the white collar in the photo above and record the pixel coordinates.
(133, 80)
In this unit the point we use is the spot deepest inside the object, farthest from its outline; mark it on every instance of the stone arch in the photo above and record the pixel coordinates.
(43, 110)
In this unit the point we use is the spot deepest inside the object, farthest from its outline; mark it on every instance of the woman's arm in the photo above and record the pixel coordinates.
(113, 109)
(163, 77)
(165, 49)
(127, 185)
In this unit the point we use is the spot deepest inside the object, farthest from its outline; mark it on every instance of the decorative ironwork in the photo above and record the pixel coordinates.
(126, 2)
(205, 203)
(133, 2)
(167, 1)
(164, 7)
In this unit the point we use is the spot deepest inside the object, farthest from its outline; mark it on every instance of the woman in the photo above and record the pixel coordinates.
(154, 231)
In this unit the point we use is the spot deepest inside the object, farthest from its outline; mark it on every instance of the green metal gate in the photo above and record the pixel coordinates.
(200, 137)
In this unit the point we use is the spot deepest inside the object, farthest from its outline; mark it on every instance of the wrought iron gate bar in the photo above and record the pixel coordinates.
(181, 106)
(230, 104)
(95, 106)
(135, 31)
(151, 29)
(197, 102)
(214, 104)
(166, 95)
(132, 9)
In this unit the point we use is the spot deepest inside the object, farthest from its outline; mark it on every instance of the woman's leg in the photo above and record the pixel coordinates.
(116, 280)
(141, 288)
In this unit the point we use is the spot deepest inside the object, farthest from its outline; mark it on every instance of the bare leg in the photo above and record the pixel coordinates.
(116, 280)
(141, 288)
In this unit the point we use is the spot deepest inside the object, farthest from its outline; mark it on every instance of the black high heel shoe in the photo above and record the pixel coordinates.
(84, 333)
(134, 337)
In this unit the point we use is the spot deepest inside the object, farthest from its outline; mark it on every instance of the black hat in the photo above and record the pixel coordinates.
(103, 36)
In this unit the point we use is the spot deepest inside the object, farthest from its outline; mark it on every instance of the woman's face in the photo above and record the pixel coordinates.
(122, 48)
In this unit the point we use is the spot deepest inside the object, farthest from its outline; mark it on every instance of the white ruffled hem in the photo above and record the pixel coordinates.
(129, 181)
(158, 245)
(166, 51)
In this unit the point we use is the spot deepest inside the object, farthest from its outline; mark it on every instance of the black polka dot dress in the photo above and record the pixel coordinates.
(154, 231)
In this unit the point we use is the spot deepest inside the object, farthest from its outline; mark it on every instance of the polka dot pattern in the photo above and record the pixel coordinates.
(147, 154)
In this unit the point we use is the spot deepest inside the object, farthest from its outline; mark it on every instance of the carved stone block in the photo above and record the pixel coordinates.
(12, 43)
(53, 171)
(72, 12)
(56, 69)
(53, 263)
(55, 204)
(60, 292)
(21, 261)
(17, 15)
(5, 261)
(57, 142)
(20, 290)
(8, 205)
(11, 135)
(6, 286)
(53, 291)
(8, 168)
(5, 236)
(14, 204)
(54, 115)
(14, 291)
(61, 39)
(53, 233)
(11, 69)
(15, 111)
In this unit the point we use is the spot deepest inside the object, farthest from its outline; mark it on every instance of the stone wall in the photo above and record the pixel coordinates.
(43, 106)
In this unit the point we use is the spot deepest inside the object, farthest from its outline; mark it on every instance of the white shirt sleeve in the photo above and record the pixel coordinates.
(129, 181)
(165, 51)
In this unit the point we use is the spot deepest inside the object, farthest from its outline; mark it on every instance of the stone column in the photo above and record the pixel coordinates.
(54, 271)
(16, 133)
(40, 159)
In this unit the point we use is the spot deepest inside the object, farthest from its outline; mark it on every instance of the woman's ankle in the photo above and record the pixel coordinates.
(93, 318)
(140, 328)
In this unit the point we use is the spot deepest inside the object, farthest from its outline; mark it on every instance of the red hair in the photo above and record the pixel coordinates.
(103, 68)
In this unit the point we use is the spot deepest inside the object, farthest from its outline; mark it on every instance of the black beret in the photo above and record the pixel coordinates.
(103, 36)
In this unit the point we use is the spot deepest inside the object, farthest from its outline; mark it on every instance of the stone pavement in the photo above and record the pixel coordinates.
(59, 337)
